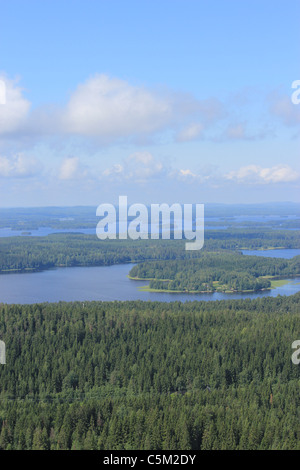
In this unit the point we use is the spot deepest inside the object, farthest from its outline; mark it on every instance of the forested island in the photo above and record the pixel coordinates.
(39, 253)
(215, 272)
(150, 375)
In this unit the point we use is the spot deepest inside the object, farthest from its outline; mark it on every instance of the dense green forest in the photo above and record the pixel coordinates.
(37, 253)
(151, 375)
(215, 272)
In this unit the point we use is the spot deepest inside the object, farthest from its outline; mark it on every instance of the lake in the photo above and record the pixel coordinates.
(284, 253)
(106, 283)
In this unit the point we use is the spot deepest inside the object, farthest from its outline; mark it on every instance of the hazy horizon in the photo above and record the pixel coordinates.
(149, 203)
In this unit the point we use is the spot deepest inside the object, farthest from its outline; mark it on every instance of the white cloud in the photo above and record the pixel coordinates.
(254, 174)
(116, 169)
(71, 169)
(138, 167)
(19, 166)
(142, 167)
(15, 108)
(187, 173)
(111, 108)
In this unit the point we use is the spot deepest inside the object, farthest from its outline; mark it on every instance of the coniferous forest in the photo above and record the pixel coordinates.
(151, 375)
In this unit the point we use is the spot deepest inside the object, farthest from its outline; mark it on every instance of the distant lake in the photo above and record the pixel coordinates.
(285, 253)
(106, 283)
(43, 232)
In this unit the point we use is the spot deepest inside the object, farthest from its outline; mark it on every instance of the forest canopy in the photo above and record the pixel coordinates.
(150, 375)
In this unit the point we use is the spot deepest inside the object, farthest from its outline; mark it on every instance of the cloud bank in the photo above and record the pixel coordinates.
(254, 174)
(110, 110)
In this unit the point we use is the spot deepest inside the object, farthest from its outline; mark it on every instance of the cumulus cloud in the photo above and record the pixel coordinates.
(14, 109)
(254, 174)
(187, 172)
(19, 166)
(111, 108)
(104, 106)
(141, 167)
(71, 169)
(138, 167)
(205, 174)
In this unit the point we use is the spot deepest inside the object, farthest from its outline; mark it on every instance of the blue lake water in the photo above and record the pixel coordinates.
(105, 283)
(286, 254)
(43, 232)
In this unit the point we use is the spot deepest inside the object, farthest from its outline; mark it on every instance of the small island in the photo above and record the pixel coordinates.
(215, 272)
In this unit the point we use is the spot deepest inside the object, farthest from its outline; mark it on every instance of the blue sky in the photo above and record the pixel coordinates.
(163, 101)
